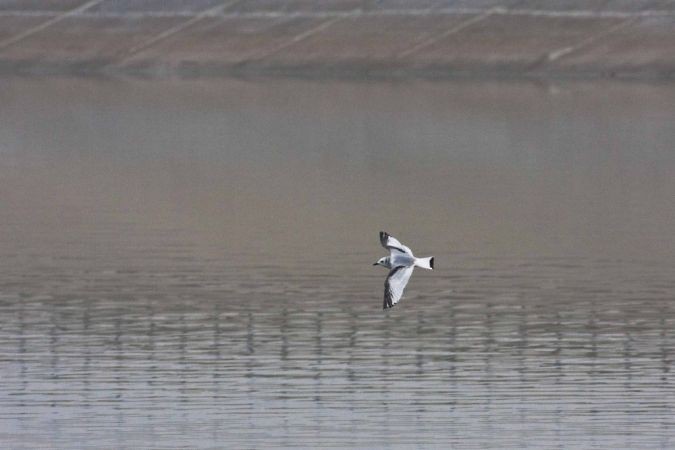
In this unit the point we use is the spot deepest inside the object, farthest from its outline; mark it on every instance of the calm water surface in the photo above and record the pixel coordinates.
(188, 264)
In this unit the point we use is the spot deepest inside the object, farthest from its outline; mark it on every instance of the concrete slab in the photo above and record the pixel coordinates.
(76, 39)
(447, 4)
(363, 39)
(595, 6)
(229, 41)
(39, 5)
(156, 6)
(368, 6)
(12, 26)
(298, 6)
(645, 44)
(509, 41)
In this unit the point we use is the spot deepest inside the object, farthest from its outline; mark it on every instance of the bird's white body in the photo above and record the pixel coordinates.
(401, 261)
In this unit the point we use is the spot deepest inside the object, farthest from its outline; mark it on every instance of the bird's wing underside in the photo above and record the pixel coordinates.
(393, 244)
(395, 284)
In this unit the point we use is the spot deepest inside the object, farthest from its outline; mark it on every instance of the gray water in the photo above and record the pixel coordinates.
(188, 264)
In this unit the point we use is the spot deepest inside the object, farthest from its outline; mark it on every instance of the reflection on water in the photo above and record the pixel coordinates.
(188, 264)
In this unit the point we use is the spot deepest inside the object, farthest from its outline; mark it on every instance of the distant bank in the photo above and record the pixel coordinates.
(340, 39)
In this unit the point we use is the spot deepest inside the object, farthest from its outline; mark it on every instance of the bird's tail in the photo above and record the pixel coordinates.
(425, 263)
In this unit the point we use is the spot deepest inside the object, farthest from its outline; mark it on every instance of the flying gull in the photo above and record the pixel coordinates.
(401, 263)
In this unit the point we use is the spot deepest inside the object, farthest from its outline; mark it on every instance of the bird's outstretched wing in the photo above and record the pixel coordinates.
(396, 281)
(391, 243)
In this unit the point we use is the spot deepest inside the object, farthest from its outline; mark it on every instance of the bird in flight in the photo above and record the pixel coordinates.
(401, 263)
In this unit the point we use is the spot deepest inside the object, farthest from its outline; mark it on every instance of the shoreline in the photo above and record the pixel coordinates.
(344, 71)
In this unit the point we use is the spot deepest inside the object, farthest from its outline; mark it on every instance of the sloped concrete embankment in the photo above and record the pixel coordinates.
(389, 38)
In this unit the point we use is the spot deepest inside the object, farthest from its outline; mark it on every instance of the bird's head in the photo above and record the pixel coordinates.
(381, 262)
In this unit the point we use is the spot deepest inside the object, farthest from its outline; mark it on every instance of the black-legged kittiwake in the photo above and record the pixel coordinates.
(401, 261)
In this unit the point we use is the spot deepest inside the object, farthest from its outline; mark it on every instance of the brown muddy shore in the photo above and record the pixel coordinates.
(340, 39)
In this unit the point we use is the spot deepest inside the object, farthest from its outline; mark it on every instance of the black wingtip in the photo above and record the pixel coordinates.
(431, 263)
(387, 303)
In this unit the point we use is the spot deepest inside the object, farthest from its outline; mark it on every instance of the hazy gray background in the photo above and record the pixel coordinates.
(189, 264)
